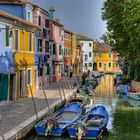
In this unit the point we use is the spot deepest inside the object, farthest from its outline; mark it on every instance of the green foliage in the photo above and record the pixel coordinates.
(123, 21)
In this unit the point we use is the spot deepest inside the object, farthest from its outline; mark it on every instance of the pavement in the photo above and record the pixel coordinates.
(16, 112)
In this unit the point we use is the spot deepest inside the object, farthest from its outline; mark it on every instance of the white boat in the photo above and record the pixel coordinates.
(134, 98)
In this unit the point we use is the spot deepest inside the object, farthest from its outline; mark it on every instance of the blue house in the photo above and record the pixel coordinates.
(6, 63)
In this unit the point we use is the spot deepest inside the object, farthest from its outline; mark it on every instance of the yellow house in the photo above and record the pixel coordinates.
(74, 55)
(102, 58)
(23, 49)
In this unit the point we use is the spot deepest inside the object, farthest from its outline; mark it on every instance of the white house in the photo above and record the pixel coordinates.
(87, 50)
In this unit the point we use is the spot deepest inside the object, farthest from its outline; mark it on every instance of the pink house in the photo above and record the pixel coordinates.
(41, 19)
(116, 66)
(56, 38)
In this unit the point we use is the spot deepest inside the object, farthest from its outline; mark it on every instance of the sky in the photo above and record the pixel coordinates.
(79, 16)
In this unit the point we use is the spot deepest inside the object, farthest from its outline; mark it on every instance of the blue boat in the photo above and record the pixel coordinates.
(56, 124)
(90, 125)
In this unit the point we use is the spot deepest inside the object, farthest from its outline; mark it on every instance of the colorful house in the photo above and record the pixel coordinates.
(56, 44)
(102, 58)
(87, 50)
(74, 54)
(116, 66)
(68, 51)
(18, 45)
(41, 19)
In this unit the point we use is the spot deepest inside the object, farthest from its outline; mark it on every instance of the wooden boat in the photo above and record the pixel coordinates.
(134, 98)
(79, 100)
(57, 123)
(90, 125)
(86, 90)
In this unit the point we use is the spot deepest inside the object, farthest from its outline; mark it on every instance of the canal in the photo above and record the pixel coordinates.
(124, 121)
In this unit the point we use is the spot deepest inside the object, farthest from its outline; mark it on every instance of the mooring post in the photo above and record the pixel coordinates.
(63, 92)
(46, 99)
(34, 103)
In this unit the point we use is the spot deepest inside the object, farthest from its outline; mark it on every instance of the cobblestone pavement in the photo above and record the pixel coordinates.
(16, 112)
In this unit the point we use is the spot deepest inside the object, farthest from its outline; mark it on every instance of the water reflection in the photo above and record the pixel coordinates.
(124, 121)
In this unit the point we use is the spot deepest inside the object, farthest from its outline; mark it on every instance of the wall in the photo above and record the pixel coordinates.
(16, 10)
(24, 59)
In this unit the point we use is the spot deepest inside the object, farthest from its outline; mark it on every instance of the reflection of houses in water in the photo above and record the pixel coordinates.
(106, 86)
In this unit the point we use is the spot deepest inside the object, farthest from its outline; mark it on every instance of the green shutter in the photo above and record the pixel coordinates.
(7, 36)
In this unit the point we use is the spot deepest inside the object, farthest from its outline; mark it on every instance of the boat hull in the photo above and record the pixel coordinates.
(65, 117)
(93, 132)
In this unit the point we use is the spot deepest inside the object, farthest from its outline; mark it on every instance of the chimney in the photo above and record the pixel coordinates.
(52, 14)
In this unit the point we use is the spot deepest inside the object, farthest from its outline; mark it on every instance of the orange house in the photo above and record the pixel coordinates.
(67, 51)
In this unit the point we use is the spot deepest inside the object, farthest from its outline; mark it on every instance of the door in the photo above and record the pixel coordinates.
(3, 87)
(11, 87)
(23, 91)
(104, 67)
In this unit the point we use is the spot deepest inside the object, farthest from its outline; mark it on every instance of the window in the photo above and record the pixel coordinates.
(89, 44)
(29, 16)
(94, 54)
(39, 20)
(90, 64)
(100, 55)
(46, 23)
(100, 64)
(65, 51)
(46, 46)
(53, 70)
(109, 64)
(7, 35)
(16, 40)
(109, 55)
(82, 44)
(30, 41)
(89, 54)
(40, 45)
(60, 50)
(29, 77)
(47, 72)
(54, 48)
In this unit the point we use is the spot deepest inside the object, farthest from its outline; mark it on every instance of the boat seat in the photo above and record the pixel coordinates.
(95, 122)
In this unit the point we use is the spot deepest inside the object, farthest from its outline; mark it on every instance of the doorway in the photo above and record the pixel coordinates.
(23, 91)
(3, 87)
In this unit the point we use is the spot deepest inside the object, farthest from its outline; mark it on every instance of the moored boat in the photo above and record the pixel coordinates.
(56, 124)
(134, 98)
(90, 125)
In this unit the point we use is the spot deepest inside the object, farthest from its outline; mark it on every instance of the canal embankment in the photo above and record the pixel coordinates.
(18, 117)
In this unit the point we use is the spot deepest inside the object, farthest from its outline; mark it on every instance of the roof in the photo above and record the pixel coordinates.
(102, 48)
(84, 38)
(17, 19)
(57, 23)
(68, 31)
(16, 2)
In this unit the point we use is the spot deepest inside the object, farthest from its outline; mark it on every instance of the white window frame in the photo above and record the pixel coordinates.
(29, 69)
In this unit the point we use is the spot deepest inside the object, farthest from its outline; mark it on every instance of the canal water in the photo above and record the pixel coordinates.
(124, 121)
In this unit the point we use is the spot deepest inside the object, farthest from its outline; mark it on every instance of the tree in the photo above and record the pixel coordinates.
(123, 21)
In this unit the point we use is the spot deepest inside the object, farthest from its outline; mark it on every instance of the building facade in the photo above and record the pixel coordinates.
(41, 19)
(67, 51)
(87, 50)
(102, 58)
(56, 47)
(18, 57)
